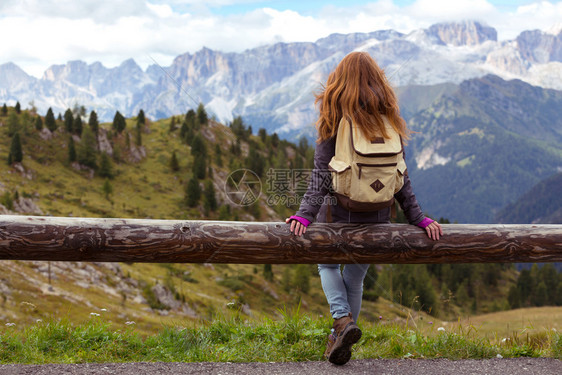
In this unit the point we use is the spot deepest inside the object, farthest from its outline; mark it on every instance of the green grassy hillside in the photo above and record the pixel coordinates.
(145, 185)
(133, 174)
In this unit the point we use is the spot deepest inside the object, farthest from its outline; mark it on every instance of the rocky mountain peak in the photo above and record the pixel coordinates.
(130, 64)
(540, 47)
(12, 75)
(466, 33)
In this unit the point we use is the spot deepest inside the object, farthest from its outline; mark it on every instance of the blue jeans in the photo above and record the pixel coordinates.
(343, 290)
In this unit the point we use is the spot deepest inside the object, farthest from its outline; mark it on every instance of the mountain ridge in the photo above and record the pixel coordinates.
(482, 146)
(542, 204)
(262, 83)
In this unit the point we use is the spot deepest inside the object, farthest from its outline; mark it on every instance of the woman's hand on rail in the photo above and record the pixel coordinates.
(434, 230)
(296, 227)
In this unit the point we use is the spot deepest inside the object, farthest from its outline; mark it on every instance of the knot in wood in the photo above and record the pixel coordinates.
(184, 229)
(342, 245)
(400, 244)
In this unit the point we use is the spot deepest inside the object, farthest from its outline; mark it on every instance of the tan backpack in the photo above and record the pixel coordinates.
(366, 174)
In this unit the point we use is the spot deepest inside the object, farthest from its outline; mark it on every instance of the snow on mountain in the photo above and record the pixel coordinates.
(555, 29)
(273, 86)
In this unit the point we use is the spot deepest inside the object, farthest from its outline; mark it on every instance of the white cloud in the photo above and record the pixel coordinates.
(101, 11)
(445, 10)
(38, 33)
(539, 15)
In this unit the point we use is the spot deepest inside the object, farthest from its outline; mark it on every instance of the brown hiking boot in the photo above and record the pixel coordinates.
(344, 334)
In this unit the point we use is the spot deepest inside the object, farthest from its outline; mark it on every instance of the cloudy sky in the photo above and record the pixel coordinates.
(39, 33)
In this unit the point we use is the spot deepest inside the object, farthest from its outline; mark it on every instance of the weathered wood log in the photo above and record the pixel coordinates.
(173, 241)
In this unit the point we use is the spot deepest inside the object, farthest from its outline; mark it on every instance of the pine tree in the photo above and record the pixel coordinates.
(268, 272)
(199, 167)
(218, 155)
(50, 121)
(192, 192)
(255, 162)
(202, 117)
(424, 290)
(174, 163)
(558, 294)
(4, 110)
(235, 148)
(86, 154)
(238, 128)
(68, 120)
(184, 129)
(13, 124)
(71, 150)
(303, 146)
(191, 120)
(107, 188)
(172, 124)
(371, 278)
(302, 278)
(286, 279)
(106, 168)
(16, 154)
(514, 298)
(119, 123)
(93, 122)
(18, 108)
(210, 198)
(275, 140)
(38, 123)
(262, 133)
(525, 284)
(198, 146)
(189, 136)
(550, 277)
(77, 126)
(539, 297)
(141, 119)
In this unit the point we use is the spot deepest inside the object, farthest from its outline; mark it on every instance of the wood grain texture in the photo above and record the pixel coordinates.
(173, 241)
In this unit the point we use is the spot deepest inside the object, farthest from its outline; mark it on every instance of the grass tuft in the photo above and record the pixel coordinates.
(292, 337)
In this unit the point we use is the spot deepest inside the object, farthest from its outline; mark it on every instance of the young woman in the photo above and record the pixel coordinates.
(359, 91)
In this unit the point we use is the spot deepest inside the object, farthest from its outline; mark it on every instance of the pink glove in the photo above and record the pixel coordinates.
(301, 220)
(425, 222)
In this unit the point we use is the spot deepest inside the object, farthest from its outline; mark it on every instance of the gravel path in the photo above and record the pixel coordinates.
(542, 366)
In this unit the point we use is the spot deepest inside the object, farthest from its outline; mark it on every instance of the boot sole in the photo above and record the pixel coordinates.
(341, 352)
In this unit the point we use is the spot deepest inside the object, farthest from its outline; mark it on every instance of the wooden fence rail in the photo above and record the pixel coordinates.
(174, 241)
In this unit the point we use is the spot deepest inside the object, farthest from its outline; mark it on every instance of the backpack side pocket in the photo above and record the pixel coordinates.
(341, 176)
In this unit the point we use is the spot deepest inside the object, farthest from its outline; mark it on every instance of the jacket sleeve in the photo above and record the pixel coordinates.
(408, 203)
(320, 180)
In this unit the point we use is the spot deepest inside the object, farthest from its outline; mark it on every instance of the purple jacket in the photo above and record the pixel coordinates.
(317, 198)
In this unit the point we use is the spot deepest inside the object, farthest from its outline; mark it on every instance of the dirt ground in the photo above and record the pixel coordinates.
(542, 366)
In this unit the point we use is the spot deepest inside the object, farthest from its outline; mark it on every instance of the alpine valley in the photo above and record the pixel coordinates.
(487, 146)
(488, 112)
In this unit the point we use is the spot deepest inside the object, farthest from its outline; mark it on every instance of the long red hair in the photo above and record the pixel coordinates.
(358, 89)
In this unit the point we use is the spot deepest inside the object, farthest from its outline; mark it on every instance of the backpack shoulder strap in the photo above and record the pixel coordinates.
(343, 140)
